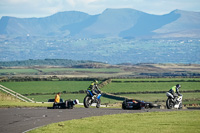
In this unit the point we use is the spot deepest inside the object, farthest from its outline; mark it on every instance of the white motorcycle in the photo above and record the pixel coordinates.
(170, 103)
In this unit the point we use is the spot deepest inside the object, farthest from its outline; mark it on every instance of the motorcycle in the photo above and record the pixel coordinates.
(170, 103)
(90, 99)
(67, 104)
(137, 104)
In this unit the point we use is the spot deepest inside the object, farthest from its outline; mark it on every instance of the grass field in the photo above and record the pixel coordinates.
(60, 71)
(118, 85)
(80, 69)
(155, 84)
(47, 86)
(156, 79)
(17, 71)
(80, 97)
(152, 122)
(10, 101)
(148, 86)
(101, 70)
(52, 87)
(188, 98)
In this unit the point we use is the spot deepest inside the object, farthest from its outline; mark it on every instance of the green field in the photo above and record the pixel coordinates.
(80, 97)
(17, 71)
(188, 98)
(139, 87)
(36, 71)
(80, 69)
(41, 91)
(152, 122)
(155, 84)
(143, 85)
(7, 101)
(47, 86)
(157, 79)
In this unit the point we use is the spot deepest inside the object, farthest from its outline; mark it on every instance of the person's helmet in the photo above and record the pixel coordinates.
(178, 86)
(95, 81)
(76, 101)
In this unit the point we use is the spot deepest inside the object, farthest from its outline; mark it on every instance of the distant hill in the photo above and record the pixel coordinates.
(40, 26)
(45, 62)
(115, 36)
(111, 23)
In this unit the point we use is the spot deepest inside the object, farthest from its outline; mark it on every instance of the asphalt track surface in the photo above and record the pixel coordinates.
(18, 120)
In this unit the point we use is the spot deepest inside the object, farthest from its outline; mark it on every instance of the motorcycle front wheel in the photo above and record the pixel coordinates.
(98, 103)
(87, 101)
(169, 103)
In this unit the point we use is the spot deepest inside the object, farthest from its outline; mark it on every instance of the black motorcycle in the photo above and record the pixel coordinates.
(137, 104)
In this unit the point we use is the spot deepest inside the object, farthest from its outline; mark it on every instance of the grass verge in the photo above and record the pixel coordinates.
(8, 101)
(165, 122)
(11, 104)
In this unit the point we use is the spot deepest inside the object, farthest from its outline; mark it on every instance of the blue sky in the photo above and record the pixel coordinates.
(42, 8)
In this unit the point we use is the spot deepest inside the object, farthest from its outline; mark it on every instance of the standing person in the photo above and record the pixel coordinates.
(175, 91)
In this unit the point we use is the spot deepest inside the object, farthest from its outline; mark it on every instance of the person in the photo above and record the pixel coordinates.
(175, 91)
(57, 98)
(94, 88)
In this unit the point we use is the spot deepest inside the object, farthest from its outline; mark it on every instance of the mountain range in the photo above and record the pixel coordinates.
(125, 23)
(115, 36)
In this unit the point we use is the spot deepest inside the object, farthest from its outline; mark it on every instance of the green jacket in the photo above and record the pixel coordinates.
(174, 89)
(93, 88)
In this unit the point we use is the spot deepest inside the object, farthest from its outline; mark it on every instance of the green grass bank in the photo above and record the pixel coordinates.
(151, 122)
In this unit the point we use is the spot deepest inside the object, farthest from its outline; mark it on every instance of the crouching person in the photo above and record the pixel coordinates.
(68, 104)
(57, 101)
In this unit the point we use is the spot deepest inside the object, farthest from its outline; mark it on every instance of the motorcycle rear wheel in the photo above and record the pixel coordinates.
(169, 103)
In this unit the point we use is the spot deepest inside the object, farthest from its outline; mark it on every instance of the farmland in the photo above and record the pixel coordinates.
(147, 82)
(47, 86)
(152, 89)
(144, 85)
(57, 71)
(102, 70)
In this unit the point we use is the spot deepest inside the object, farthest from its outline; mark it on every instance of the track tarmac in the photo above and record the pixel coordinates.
(18, 120)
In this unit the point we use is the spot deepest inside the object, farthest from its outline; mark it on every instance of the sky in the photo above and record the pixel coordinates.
(43, 8)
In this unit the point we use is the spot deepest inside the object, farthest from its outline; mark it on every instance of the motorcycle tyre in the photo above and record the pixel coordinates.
(169, 103)
(98, 103)
(85, 101)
